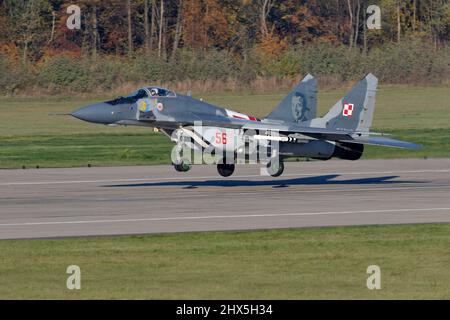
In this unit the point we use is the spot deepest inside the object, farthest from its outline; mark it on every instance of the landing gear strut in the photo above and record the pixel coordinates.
(225, 170)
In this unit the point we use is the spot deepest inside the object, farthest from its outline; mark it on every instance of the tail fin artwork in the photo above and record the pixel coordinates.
(353, 112)
(300, 104)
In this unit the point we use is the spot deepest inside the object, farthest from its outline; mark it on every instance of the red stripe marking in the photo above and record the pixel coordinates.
(249, 118)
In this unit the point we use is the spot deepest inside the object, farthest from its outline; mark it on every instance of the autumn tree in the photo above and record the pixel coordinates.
(36, 28)
(26, 25)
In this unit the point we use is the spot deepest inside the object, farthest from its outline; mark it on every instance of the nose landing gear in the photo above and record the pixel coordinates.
(180, 163)
(275, 168)
(182, 167)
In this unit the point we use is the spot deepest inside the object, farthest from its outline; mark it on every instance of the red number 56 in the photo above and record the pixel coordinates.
(221, 138)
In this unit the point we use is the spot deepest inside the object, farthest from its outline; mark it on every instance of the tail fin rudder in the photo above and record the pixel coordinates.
(300, 104)
(354, 112)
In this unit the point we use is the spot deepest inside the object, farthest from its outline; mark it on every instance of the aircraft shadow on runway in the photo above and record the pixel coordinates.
(275, 183)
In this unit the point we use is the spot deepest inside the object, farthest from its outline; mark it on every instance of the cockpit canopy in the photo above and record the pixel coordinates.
(160, 92)
(147, 92)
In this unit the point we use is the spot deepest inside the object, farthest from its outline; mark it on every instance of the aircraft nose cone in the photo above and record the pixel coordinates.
(97, 113)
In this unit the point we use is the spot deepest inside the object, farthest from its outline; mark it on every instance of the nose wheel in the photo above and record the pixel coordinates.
(225, 170)
(180, 163)
(183, 167)
(275, 168)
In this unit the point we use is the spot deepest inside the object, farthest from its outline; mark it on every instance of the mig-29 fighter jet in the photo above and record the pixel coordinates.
(290, 130)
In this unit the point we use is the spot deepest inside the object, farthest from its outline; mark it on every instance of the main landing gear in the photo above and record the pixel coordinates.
(225, 170)
(274, 169)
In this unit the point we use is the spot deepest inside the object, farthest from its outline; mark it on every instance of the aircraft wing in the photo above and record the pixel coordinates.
(387, 142)
(337, 135)
(234, 123)
(317, 133)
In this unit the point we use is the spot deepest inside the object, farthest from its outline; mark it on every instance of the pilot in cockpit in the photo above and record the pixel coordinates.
(154, 92)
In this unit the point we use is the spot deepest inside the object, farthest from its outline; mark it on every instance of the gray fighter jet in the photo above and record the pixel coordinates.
(290, 130)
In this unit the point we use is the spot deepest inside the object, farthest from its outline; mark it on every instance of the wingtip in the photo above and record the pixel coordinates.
(416, 146)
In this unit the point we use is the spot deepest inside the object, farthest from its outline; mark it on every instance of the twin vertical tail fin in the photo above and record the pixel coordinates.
(353, 112)
(300, 104)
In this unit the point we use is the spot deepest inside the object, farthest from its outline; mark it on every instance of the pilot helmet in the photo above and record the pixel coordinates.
(154, 92)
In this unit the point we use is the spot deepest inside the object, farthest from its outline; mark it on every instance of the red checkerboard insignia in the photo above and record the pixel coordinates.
(348, 110)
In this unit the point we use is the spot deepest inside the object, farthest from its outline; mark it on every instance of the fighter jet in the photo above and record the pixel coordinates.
(292, 129)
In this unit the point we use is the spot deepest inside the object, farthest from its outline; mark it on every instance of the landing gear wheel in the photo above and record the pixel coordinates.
(180, 163)
(225, 170)
(183, 167)
(275, 168)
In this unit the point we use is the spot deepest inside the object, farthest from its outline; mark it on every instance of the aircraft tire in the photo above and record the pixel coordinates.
(183, 167)
(225, 170)
(275, 168)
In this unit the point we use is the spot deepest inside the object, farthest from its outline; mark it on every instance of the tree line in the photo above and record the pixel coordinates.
(246, 33)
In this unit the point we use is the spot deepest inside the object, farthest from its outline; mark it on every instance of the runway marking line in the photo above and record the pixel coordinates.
(264, 192)
(225, 217)
(214, 177)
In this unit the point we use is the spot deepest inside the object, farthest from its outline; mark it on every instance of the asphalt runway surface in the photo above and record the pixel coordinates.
(46, 203)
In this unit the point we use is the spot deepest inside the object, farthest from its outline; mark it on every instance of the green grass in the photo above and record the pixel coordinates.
(324, 263)
(151, 148)
(436, 143)
(30, 136)
(84, 149)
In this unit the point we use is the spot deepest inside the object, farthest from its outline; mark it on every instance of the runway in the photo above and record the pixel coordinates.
(41, 203)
